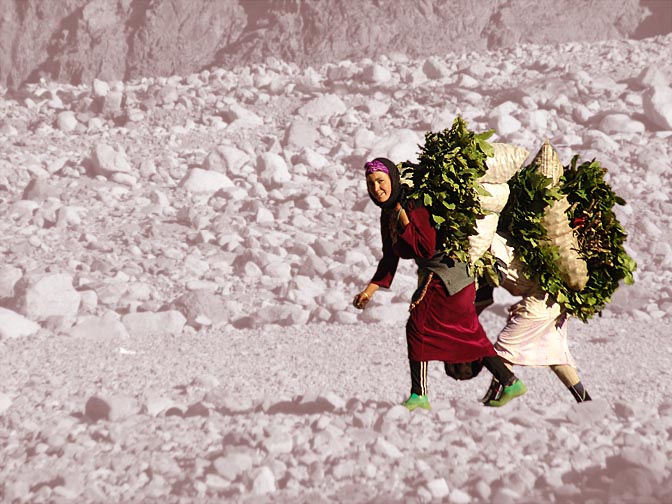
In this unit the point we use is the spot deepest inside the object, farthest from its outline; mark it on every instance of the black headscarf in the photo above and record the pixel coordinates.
(397, 192)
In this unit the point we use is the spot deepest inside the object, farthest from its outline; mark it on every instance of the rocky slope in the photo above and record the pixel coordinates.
(76, 41)
(179, 255)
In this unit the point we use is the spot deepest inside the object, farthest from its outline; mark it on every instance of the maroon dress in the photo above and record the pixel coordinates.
(441, 326)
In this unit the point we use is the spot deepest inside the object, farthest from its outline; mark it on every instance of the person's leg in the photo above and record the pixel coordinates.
(570, 378)
(496, 387)
(418, 398)
(418, 377)
(512, 386)
(496, 365)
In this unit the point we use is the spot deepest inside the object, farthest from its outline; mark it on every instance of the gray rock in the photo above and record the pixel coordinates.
(207, 182)
(5, 403)
(301, 133)
(112, 408)
(232, 465)
(658, 106)
(201, 302)
(66, 121)
(39, 296)
(147, 323)
(107, 326)
(107, 160)
(9, 276)
(13, 325)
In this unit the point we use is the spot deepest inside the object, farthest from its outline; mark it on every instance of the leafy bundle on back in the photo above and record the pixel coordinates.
(445, 182)
(600, 236)
(591, 222)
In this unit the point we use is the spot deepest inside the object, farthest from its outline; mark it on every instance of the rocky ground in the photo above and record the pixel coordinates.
(180, 254)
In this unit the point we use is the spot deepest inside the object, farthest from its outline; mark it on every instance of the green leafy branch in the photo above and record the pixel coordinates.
(445, 182)
(599, 234)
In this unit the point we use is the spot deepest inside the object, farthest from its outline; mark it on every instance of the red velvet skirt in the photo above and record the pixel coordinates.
(446, 328)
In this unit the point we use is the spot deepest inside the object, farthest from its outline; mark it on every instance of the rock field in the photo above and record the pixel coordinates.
(180, 254)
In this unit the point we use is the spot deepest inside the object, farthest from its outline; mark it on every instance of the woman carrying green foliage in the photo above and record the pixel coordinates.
(536, 330)
(566, 265)
(443, 324)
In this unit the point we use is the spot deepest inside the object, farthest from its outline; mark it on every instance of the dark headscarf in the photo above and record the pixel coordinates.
(395, 179)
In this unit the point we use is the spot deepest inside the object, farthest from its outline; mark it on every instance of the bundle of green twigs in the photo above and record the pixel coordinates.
(600, 236)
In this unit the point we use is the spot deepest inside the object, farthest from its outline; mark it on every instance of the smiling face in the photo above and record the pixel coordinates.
(379, 185)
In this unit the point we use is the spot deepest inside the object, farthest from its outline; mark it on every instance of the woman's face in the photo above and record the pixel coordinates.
(379, 185)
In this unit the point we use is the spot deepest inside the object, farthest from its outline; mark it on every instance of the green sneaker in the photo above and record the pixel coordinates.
(514, 390)
(417, 401)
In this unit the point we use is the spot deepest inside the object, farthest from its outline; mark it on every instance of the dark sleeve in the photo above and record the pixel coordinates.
(387, 266)
(419, 237)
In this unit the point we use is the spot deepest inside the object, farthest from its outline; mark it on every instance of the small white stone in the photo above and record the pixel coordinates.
(205, 182)
(5, 403)
(658, 106)
(438, 488)
(264, 482)
(67, 121)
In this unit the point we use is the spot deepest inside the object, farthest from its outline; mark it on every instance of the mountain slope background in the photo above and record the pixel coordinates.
(75, 41)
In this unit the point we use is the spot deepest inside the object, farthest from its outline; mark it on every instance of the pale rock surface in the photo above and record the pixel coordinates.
(227, 159)
(100, 88)
(273, 170)
(376, 74)
(234, 464)
(301, 133)
(201, 302)
(435, 69)
(312, 159)
(67, 121)
(658, 106)
(438, 488)
(141, 324)
(107, 326)
(652, 77)
(9, 276)
(620, 123)
(14, 325)
(400, 144)
(204, 182)
(240, 117)
(113, 407)
(323, 106)
(5, 402)
(108, 160)
(40, 296)
(40, 189)
(112, 103)
(389, 314)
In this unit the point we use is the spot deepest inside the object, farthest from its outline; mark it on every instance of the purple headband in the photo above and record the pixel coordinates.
(375, 166)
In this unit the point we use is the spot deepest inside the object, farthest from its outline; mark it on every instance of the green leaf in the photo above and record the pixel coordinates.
(445, 180)
(598, 232)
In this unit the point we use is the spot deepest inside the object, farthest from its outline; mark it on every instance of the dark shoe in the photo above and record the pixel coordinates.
(516, 389)
(493, 392)
(579, 393)
(417, 401)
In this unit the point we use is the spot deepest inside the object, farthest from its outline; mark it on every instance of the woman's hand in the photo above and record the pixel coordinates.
(363, 298)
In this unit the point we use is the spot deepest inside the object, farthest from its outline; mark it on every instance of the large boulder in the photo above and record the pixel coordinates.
(44, 295)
